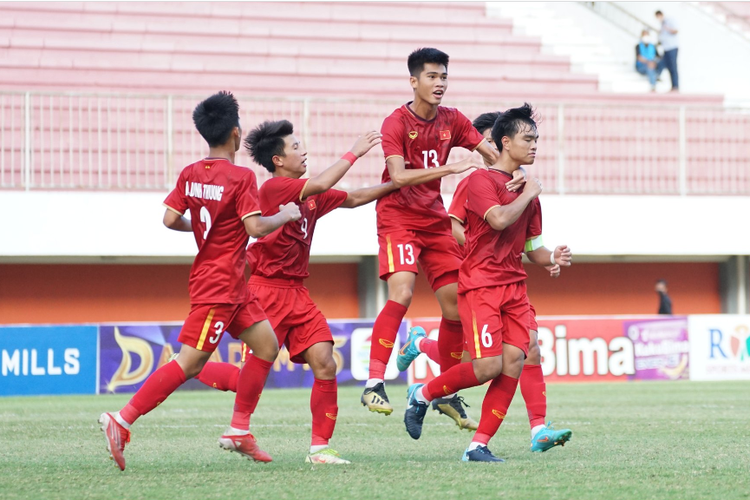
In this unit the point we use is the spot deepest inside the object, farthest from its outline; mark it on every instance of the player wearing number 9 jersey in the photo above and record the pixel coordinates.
(223, 202)
(279, 264)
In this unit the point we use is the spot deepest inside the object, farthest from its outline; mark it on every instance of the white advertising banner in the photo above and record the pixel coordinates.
(719, 347)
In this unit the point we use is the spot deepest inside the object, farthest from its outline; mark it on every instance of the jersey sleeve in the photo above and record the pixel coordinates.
(330, 201)
(481, 196)
(280, 191)
(393, 137)
(535, 222)
(247, 197)
(466, 135)
(177, 200)
(457, 209)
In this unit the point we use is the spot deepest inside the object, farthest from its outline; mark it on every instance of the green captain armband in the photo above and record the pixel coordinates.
(533, 244)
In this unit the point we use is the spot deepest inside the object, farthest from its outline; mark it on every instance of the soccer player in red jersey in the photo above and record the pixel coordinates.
(492, 292)
(533, 388)
(413, 226)
(223, 202)
(279, 265)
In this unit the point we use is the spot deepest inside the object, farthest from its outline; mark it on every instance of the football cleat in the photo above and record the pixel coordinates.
(117, 437)
(415, 412)
(409, 351)
(375, 399)
(480, 454)
(246, 446)
(548, 438)
(454, 408)
(326, 456)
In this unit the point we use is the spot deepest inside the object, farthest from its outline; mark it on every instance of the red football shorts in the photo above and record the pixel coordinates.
(295, 318)
(206, 323)
(533, 325)
(437, 253)
(495, 315)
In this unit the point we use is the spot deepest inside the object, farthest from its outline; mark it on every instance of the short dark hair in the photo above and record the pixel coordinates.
(485, 121)
(662, 280)
(216, 117)
(658, 13)
(267, 140)
(509, 123)
(427, 55)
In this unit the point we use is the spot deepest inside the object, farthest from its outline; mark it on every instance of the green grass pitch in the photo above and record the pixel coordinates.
(683, 440)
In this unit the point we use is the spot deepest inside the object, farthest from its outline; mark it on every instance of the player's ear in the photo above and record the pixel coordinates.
(413, 80)
(277, 161)
(506, 142)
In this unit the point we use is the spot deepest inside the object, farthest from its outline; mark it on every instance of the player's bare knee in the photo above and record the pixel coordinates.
(488, 368)
(402, 295)
(324, 369)
(535, 355)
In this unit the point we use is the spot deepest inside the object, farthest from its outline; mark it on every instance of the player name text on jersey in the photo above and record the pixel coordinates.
(204, 191)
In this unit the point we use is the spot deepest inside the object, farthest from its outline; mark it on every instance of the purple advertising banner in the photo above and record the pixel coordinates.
(661, 348)
(131, 352)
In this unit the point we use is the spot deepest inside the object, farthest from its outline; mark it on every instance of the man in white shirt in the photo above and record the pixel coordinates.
(669, 41)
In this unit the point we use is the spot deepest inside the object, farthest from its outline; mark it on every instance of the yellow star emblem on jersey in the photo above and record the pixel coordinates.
(413, 134)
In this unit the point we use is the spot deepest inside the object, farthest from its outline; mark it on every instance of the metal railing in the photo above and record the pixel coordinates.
(621, 18)
(141, 142)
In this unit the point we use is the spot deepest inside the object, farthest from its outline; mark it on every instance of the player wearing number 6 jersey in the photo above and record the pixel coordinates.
(279, 264)
(492, 297)
(413, 226)
(223, 202)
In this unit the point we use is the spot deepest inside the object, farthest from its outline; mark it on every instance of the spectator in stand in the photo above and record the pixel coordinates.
(669, 41)
(665, 303)
(646, 58)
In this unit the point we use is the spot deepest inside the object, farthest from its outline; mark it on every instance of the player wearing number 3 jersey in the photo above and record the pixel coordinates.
(413, 226)
(223, 202)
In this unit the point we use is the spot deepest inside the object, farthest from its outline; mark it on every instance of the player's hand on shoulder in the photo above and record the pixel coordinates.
(467, 163)
(563, 255)
(366, 142)
(519, 179)
(292, 210)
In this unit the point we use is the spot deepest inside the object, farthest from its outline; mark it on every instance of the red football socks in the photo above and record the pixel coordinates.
(158, 386)
(534, 392)
(324, 410)
(221, 376)
(430, 348)
(384, 333)
(450, 343)
(249, 387)
(457, 378)
(494, 407)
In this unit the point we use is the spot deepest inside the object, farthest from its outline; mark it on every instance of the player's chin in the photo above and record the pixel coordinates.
(530, 160)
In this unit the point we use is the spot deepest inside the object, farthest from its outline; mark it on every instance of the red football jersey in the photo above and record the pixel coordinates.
(457, 210)
(220, 196)
(285, 253)
(494, 257)
(422, 144)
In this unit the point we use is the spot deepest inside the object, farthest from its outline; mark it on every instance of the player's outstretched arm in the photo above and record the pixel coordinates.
(176, 222)
(502, 216)
(401, 176)
(330, 176)
(258, 226)
(363, 196)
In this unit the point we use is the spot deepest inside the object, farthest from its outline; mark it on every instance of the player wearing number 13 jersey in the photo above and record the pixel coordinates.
(223, 202)
(279, 264)
(413, 226)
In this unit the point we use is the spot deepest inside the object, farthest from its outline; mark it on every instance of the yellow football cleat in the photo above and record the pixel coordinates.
(375, 399)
